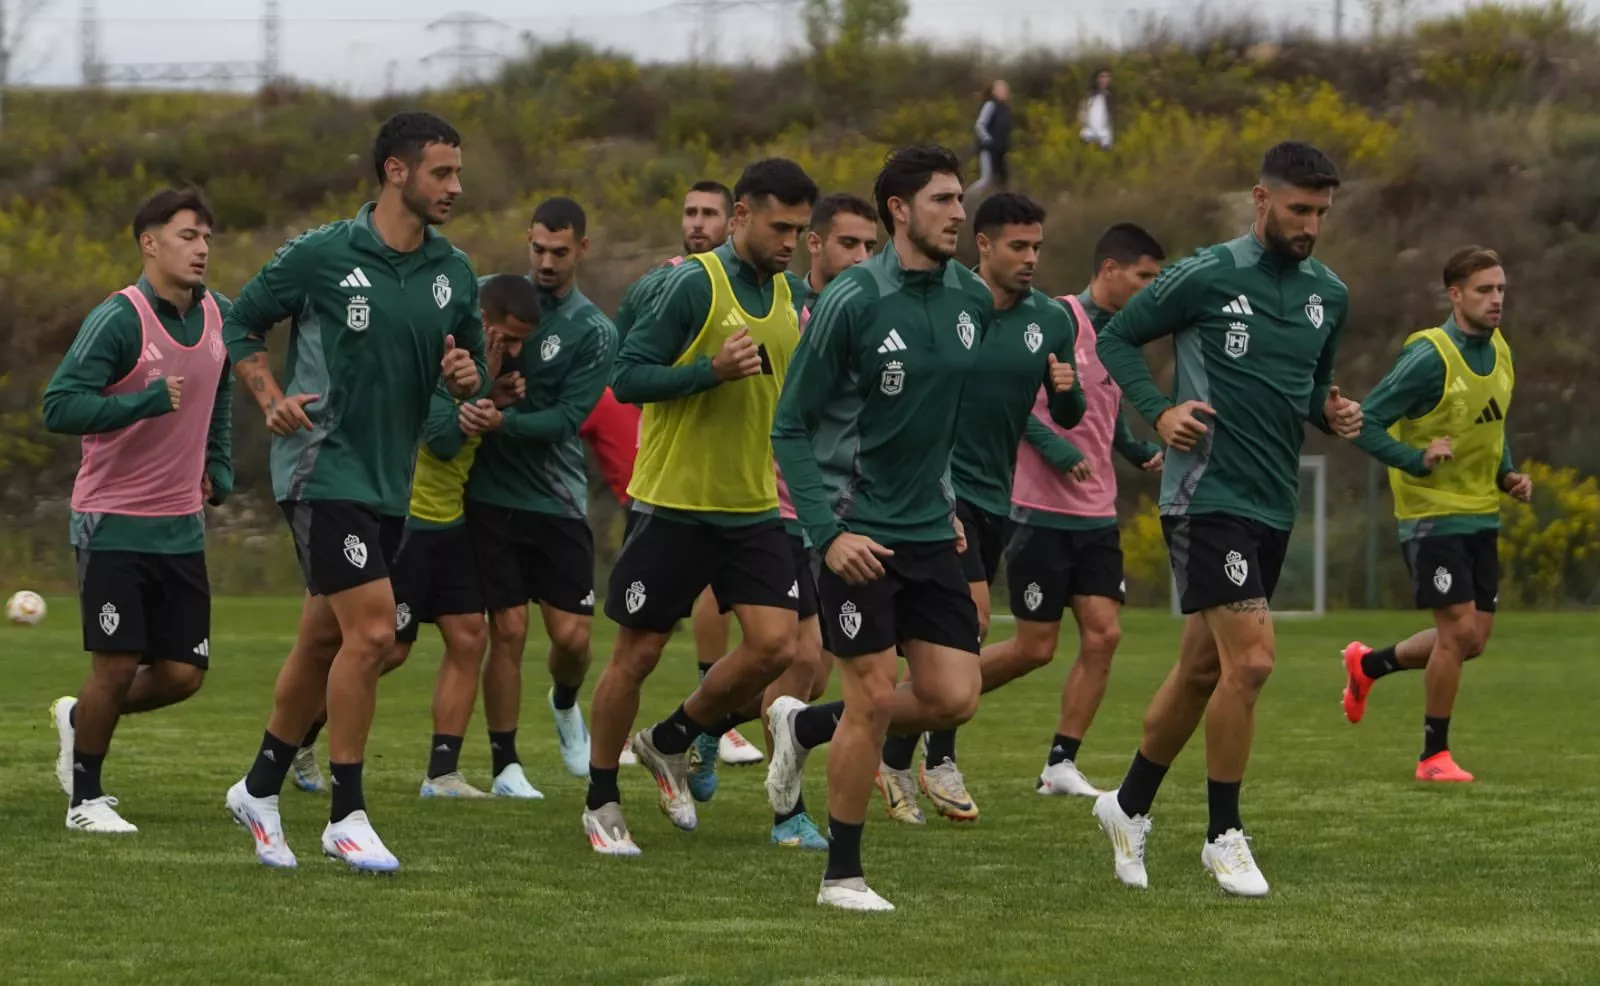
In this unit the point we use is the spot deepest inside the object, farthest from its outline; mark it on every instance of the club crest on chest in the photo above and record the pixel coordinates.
(965, 330)
(441, 290)
(1033, 337)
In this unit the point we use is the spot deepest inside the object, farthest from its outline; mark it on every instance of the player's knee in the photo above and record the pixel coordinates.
(570, 636)
(1200, 678)
(1250, 671)
(772, 654)
(960, 703)
(186, 680)
(1101, 642)
(371, 640)
(634, 658)
(1036, 651)
(510, 625)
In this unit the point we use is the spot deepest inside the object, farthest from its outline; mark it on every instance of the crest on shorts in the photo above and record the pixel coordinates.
(549, 348)
(965, 329)
(1033, 337)
(849, 619)
(893, 379)
(1032, 596)
(1237, 341)
(355, 551)
(358, 314)
(1235, 568)
(402, 616)
(634, 597)
(1442, 579)
(1314, 310)
(441, 290)
(109, 619)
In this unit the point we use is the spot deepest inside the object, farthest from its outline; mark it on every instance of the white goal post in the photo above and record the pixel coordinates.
(1301, 593)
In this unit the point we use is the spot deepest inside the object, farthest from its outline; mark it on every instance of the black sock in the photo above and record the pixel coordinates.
(564, 697)
(313, 733)
(1223, 799)
(814, 724)
(733, 720)
(503, 750)
(86, 777)
(347, 796)
(1435, 735)
(602, 788)
(674, 734)
(798, 809)
(844, 850)
(1064, 748)
(704, 669)
(271, 767)
(898, 750)
(444, 756)
(1138, 791)
(939, 747)
(1380, 662)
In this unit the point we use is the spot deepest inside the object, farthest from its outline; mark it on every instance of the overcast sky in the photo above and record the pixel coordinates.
(360, 45)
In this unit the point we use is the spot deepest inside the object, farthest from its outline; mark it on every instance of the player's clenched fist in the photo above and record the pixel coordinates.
(1062, 375)
(1180, 426)
(854, 558)
(460, 373)
(174, 391)
(287, 415)
(738, 358)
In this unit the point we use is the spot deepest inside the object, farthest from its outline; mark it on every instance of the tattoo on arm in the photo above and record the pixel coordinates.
(255, 371)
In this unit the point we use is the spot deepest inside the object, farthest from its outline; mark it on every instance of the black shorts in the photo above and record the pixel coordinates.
(923, 595)
(526, 556)
(805, 581)
(157, 606)
(1046, 567)
(1220, 559)
(435, 574)
(341, 544)
(664, 563)
(1450, 569)
(986, 539)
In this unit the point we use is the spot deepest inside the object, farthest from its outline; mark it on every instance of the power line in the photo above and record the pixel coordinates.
(466, 53)
(98, 72)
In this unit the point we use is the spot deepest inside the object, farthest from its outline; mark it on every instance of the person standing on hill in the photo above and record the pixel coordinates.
(993, 130)
(383, 311)
(1256, 324)
(146, 384)
(1094, 115)
(1438, 421)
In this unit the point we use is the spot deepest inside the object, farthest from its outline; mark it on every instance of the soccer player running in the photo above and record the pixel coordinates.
(1026, 356)
(707, 362)
(864, 437)
(436, 571)
(1065, 550)
(528, 499)
(1448, 464)
(146, 384)
(1255, 324)
(383, 311)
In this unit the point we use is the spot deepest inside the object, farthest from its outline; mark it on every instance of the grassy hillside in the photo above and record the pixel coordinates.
(1483, 127)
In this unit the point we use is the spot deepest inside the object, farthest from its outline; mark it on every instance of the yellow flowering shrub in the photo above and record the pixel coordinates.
(1550, 548)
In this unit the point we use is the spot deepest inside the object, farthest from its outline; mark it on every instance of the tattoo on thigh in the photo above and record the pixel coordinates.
(1257, 606)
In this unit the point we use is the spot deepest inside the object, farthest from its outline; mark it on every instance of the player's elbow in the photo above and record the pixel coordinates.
(58, 415)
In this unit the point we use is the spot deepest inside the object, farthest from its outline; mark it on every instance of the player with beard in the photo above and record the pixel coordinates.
(146, 384)
(383, 310)
(1029, 349)
(1064, 550)
(1255, 324)
(1448, 464)
(708, 362)
(864, 435)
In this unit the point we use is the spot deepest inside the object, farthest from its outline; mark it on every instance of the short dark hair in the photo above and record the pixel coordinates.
(1297, 163)
(840, 202)
(404, 135)
(778, 178)
(1007, 209)
(710, 187)
(159, 209)
(1126, 243)
(1467, 261)
(907, 171)
(509, 294)
(561, 213)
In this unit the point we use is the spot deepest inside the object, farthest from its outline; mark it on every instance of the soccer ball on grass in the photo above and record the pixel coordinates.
(26, 608)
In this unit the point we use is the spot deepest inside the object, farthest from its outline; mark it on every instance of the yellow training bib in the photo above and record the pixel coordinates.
(439, 486)
(1472, 413)
(713, 451)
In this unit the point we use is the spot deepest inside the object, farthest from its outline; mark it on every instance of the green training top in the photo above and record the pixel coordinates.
(106, 350)
(535, 461)
(639, 298)
(1412, 388)
(644, 370)
(368, 325)
(867, 421)
(1063, 455)
(1013, 363)
(1255, 334)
